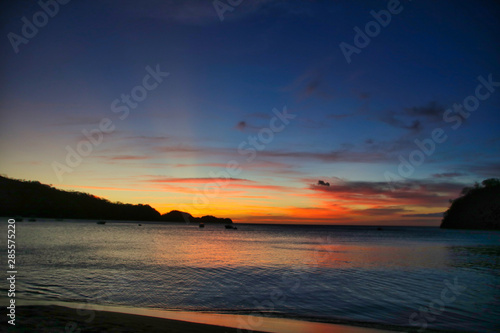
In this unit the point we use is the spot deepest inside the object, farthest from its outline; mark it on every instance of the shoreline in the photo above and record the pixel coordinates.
(76, 317)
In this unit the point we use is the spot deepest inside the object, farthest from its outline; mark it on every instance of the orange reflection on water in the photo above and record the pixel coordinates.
(355, 256)
(222, 248)
(215, 247)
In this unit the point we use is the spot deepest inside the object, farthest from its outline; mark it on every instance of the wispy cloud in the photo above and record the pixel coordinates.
(448, 175)
(416, 192)
(339, 116)
(343, 155)
(129, 157)
(430, 215)
(197, 180)
(415, 118)
(346, 153)
(149, 139)
(77, 120)
(432, 111)
(393, 118)
(384, 211)
(245, 126)
(202, 12)
(312, 83)
(484, 169)
(259, 186)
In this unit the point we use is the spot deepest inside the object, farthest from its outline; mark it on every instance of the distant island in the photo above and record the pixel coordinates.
(477, 207)
(34, 199)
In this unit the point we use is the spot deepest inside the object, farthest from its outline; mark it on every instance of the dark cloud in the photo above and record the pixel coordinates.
(364, 95)
(432, 111)
(344, 154)
(493, 140)
(241, 125)
(389, 148)
(382, 211)
(312, 123)
(323, 183)
(147, 139)
(415, 118)
(245, 126)
(201, 12)
(333, 156)
(415, 192)
(484, 169)
(129, 157)
(260, 115)
(424, 215)
(78, 121)
(448, 175)
(339, 116)
(177, 149)
(312, 83)
(200, 180)
(396, 120)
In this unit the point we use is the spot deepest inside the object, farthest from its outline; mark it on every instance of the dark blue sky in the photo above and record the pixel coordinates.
(354, 122)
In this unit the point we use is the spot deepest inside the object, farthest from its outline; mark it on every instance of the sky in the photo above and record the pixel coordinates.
(319, 112)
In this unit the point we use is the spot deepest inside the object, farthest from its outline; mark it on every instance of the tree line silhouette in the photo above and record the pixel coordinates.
(34, 199)
(477, 207)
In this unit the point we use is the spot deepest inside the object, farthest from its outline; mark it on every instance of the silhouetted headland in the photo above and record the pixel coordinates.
(176, 216)
(34, 199)
(477, 207)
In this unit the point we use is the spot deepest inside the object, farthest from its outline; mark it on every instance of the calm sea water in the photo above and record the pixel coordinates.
(412, 277)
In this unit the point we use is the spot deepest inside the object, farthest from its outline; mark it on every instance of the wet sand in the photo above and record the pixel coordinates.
(56, 318)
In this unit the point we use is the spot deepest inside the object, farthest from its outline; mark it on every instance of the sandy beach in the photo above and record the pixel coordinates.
(55, 318)
(62, 319)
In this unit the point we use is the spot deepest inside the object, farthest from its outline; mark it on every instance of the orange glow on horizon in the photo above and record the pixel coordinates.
(246, 201)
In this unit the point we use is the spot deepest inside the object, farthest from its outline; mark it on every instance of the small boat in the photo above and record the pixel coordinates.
(140, 225)
(202, 225)
(229, 226)
(101, 222)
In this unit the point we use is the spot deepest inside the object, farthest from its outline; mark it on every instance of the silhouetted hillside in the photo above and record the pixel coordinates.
(176, 216)
(34, 199)
(478, 207)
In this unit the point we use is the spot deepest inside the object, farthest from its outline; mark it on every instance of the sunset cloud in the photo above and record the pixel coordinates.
(198, 180)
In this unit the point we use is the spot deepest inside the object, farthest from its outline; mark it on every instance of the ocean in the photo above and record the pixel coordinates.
(399, 277)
